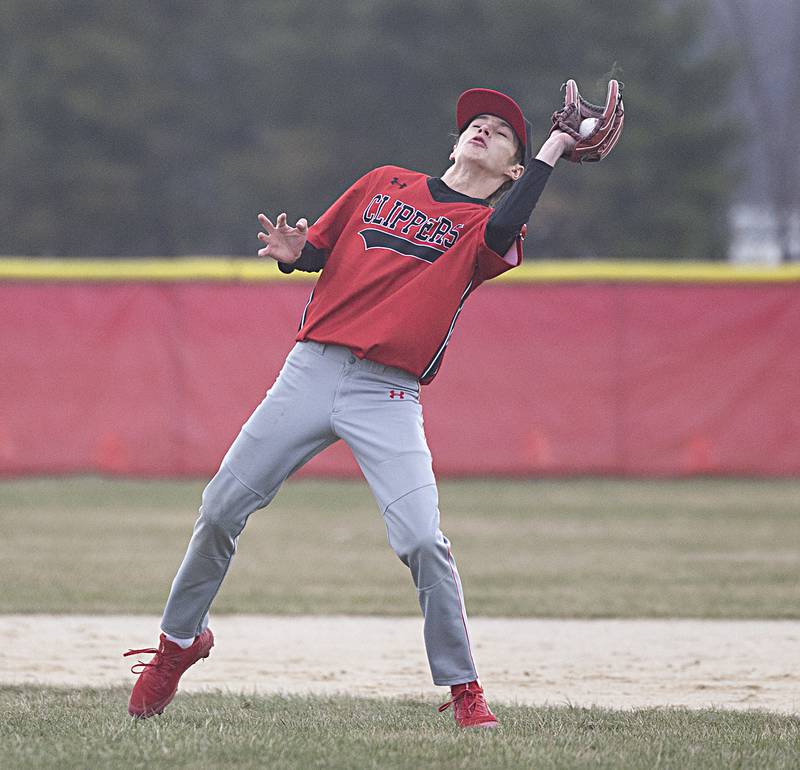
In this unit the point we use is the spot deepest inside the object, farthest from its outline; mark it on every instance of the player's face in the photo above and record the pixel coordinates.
(489, 143)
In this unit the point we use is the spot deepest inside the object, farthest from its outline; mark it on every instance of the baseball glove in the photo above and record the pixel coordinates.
(597, 129)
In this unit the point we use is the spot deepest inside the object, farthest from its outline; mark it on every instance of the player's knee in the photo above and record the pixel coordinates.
(412, 523)
(226, 503)
(427, 557)
(418, 547)
(414, 545)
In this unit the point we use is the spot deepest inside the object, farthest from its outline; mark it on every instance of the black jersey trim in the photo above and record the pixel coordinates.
(441, 193)
(433, 367)
(378, 239)
(305, 309)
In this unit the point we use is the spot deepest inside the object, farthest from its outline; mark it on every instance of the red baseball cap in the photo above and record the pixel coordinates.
(480, 101)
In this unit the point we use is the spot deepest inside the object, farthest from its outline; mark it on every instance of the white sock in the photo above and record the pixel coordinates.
(182, 643)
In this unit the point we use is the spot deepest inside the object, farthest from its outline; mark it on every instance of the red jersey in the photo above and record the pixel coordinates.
(400, 265)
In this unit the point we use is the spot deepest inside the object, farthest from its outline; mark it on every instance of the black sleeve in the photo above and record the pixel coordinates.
(311, 260)
(515, 209)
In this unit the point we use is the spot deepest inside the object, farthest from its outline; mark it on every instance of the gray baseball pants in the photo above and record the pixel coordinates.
(324, 393)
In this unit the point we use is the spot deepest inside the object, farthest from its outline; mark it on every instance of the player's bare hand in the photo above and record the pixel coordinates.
(567, 141)
(556, 145)
(282, 242)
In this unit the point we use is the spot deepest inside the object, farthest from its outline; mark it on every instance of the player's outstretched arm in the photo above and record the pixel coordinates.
(555, 146)
(282, 242)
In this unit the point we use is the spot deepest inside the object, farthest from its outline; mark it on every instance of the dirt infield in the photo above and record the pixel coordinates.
(613, 663)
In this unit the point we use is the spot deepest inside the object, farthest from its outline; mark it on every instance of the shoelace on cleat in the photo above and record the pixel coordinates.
(161, 658)
(470, 705)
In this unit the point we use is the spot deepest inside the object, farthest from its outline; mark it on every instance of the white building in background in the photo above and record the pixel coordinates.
(755, 235)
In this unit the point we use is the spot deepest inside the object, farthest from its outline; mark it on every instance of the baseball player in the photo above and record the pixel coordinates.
(399, 252)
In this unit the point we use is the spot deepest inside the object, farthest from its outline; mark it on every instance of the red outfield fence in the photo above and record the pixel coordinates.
(562, 369)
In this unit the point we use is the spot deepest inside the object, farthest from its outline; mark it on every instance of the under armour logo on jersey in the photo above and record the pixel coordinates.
(400, 184)
(397, 394)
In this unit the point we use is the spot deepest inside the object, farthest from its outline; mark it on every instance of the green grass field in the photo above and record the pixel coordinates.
(578, 548)
(69, 730)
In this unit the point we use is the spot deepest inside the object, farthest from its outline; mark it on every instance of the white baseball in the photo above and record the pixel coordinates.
(587, 126)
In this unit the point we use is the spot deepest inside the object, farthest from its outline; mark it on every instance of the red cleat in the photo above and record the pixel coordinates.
(469, 706)
(158, 679)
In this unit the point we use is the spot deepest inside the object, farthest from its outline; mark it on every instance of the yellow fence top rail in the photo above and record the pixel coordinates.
(260, 271)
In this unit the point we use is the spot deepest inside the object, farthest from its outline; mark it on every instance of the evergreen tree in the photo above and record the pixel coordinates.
(163, 128)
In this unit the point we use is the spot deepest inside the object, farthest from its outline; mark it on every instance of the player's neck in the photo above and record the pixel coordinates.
(472, 180)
